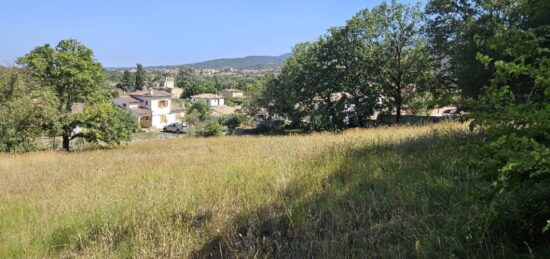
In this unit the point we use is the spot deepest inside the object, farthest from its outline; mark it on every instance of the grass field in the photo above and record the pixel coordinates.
(385, 192)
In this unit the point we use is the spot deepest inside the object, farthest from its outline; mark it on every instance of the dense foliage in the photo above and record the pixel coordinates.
(103, 122)
(70, 73)
(26, 112)
(200, 121)
(378, 61)
(513, 115)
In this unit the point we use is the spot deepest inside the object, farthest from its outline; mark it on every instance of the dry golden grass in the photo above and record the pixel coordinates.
(179, 197)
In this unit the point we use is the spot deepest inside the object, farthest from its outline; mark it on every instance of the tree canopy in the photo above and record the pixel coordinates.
(378, 61)
(71, 73)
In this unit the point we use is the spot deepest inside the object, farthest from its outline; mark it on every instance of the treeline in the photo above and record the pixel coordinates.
(192, 81)
(246, 63)
(379, 60)
(59, 92)
(490, 58)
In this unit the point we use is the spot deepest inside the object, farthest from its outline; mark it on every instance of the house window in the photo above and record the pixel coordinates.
(163, 104)
(124, 105)
(146, 103)
(162, 118)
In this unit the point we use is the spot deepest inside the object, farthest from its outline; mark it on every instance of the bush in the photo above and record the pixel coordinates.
(211, 129)
(232, 121)
(513, 119)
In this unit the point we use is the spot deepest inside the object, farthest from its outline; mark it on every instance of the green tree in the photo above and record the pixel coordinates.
(200, 122)
(70, 71)
(128, 80)
(141, 77)
(232, 121)
(102, 121)
(200, 110)
(254, 102)
(337, 81)
(512, 115)
(396, 52)
(185, 77)
(199, 88)
(26, 112)
(211, 129)
(457, 31)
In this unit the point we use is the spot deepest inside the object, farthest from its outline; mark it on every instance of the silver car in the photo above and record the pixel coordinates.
(176, 127)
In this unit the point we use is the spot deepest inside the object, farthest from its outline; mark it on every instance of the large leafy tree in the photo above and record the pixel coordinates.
(396, 52)
(336, 81)
(323, 85)
(70, 71)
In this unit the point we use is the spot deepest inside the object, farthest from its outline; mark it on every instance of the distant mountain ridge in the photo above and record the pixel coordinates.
(246, 63)
(250, 62)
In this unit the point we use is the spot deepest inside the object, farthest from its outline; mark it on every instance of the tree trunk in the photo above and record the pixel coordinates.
(398, 112)
(398, 103)
(66, 142)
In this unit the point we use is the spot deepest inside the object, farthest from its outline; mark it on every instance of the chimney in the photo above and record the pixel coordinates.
(151, 91)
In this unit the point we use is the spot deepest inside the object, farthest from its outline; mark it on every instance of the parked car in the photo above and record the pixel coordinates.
(176, 127)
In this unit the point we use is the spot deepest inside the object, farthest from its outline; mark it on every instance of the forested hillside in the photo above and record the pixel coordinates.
(250, 62)
(246, 63)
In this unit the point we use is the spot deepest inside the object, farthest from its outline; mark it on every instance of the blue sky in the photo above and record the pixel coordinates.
(169, 32)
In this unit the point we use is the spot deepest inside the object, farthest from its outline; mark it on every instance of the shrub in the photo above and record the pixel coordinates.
(232, 121)
(212, 128)
(513, 119)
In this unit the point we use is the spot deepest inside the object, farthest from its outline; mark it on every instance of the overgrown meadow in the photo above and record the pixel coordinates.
(384, 192)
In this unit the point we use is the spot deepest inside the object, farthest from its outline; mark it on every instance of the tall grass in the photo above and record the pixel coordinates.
(387, 192)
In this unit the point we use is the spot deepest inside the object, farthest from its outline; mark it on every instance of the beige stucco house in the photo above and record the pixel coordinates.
(153, 108)
(232, 93)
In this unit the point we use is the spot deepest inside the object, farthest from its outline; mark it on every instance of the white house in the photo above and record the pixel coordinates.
(211, 99)
(153, 108)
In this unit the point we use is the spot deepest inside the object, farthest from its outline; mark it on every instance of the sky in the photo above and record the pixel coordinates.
(170, 32)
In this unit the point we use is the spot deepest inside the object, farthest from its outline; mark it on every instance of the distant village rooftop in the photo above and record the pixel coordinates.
(152, 93)
(207, 96)
(128, 98)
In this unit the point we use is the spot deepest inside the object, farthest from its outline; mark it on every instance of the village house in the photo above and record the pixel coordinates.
(167, 84)
(211, 99)
(232, 93)
(153, 108)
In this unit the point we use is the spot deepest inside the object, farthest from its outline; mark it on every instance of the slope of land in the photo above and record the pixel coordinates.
(249, 63)
(246, 63)
(387, 192)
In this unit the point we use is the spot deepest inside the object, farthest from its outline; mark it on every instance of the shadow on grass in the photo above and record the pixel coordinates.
(414, 198)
